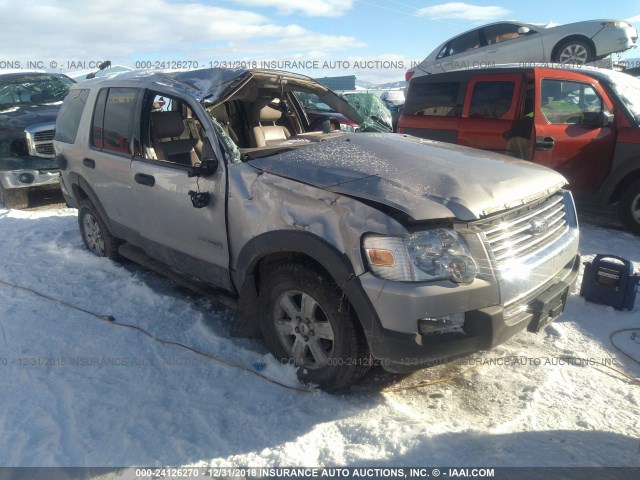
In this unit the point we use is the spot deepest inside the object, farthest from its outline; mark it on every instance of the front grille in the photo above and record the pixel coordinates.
(45, 149)
(525, 231)
(43, 136)
(40, 140)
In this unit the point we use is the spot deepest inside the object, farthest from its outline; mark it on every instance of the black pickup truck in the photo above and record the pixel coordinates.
(29, 104)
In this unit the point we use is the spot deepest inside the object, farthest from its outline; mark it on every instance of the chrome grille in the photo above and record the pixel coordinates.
(40, 140)
(43, 136)
(45, 149)
(523, 232)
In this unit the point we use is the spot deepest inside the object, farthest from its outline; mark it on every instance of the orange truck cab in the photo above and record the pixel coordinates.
(582, 122)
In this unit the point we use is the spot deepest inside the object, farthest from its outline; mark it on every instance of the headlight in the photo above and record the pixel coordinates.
(345, 127)
(618, 24)
(436, 254)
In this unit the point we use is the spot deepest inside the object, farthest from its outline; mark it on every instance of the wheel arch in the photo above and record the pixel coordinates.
(81, 190)
(275, 245)
(622, 183)
(306, 248)
(577, 36)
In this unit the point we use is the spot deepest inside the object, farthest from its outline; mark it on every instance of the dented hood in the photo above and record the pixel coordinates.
(422, 178)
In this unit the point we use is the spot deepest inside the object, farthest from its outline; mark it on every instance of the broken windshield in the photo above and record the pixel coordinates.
(32, 89)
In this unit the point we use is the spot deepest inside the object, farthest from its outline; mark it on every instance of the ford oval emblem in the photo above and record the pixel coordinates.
(538, 226)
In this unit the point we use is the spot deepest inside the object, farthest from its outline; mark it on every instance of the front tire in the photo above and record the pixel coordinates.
(307, 321)
(15, 198)
(574, 52)
(95, 234)
(629, 207)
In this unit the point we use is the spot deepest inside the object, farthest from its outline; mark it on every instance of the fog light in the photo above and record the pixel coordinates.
(439, 325)
(25, 178)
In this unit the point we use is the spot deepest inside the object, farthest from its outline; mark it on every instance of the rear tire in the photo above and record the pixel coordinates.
(15, 198)
(94, 232)
(307, 321)
(629, 207)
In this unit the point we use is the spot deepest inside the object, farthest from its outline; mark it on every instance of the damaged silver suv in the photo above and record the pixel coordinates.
(341, 249)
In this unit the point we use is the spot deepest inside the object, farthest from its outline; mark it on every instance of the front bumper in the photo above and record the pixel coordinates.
(38, 172)
(614, 39)
(30, 178)
(483, 329)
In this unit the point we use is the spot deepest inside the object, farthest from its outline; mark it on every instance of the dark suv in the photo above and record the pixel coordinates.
(29, 104)
(341, 249)
(583, 122)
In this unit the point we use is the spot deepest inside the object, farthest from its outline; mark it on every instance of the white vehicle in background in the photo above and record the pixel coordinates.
(516, 42)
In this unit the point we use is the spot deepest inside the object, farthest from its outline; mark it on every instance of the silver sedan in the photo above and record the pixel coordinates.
(515, 42)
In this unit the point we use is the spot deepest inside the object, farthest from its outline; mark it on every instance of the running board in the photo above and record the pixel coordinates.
(139, 256)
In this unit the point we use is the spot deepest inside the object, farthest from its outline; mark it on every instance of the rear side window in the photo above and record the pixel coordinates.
(464, 43)
(437, 99)
(491, 99)
(112, 127)
(70, 114)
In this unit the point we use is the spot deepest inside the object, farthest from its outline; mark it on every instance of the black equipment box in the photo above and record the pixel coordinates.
(610, 280)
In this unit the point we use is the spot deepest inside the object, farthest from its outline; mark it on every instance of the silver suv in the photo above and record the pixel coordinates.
(342, 250)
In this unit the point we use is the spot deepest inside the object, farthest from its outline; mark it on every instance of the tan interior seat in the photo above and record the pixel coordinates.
(265, 135)
(170, 141)
(507, 36)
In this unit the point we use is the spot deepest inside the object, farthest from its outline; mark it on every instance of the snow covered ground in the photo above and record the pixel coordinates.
(78, 391)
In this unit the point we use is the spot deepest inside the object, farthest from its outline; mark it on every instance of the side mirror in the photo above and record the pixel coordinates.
(206, 168)
(606, 118)
(523, 30)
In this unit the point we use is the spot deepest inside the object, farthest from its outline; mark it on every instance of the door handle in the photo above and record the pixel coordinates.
(493, 51)
(545, 143)
(89, 162)
(144, 179)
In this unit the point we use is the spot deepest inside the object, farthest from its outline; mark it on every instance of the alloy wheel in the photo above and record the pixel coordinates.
(574, 54)
(303, 329)
(93, 234)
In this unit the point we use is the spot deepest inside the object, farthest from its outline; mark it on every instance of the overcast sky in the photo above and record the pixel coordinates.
(128, 31)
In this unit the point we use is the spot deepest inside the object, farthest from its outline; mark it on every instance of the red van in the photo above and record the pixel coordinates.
(583, 122)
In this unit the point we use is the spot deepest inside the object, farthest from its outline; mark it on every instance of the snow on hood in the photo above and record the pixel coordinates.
(421, 178)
